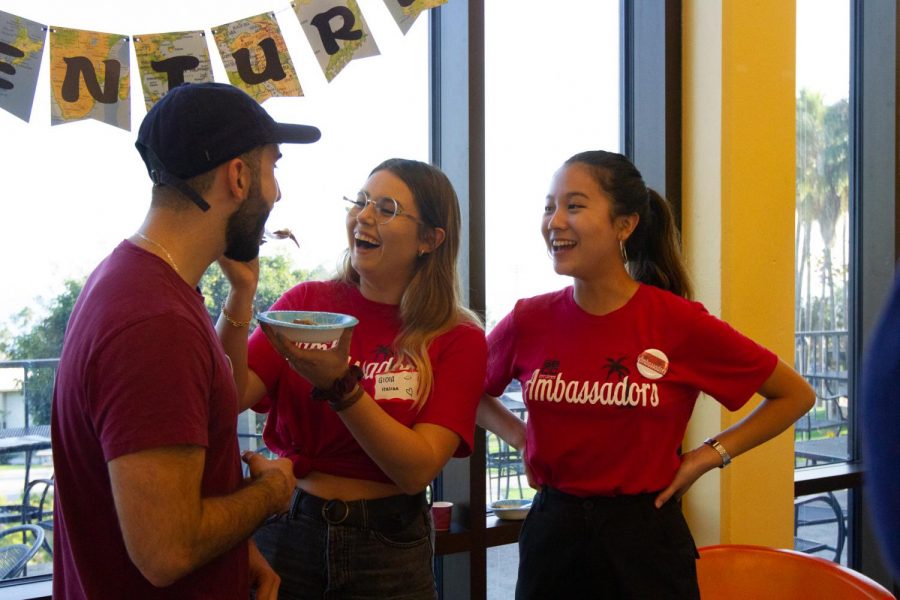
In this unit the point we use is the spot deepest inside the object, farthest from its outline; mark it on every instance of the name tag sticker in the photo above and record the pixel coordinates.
(397, 385)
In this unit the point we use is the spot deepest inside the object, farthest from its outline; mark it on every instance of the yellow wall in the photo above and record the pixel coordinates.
(738, 64)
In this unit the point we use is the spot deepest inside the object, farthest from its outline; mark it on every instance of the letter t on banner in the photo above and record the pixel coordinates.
(21, 51)
(166, 60)
(337, 32)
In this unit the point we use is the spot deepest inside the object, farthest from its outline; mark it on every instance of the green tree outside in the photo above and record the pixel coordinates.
(42, 337)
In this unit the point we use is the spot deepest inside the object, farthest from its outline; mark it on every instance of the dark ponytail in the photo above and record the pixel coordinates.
(654, 248)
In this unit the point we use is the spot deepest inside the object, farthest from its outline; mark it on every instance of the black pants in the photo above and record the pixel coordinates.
(605, 547)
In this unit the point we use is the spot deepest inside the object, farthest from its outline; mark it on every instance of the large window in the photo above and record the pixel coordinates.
(545, 99)
(72, 192)
(822, 259)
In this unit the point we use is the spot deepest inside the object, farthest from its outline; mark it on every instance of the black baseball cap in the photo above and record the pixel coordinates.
(196, 127)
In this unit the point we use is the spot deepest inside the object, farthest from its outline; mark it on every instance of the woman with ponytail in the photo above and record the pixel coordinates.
(370, 423)
(610, 370)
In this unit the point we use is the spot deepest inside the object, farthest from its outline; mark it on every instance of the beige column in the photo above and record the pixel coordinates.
(738, 79)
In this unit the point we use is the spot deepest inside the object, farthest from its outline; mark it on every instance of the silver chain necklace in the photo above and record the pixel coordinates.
(163, 248)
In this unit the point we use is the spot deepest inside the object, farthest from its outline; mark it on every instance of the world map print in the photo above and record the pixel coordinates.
(21, 51)
(256, 57)
(169, 59)
(89, 77)
(407, 15)
(337, 33)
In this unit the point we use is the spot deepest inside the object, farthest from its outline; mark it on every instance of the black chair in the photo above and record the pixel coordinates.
(503, 463)
(827, 415)
(819, 510)
(37, 506)
(14, 556)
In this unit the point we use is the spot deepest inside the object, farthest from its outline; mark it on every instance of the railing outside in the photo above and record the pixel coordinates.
(25, 456)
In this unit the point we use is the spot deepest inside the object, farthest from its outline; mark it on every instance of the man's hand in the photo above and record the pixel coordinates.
(280, 474)
(263, 579)
(242, 276)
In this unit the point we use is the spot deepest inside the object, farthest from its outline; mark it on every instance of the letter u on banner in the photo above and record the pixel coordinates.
(337, 32)
(89, 77)
(256, 57)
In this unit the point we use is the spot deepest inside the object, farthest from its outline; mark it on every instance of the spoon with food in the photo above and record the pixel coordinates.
(280, 234)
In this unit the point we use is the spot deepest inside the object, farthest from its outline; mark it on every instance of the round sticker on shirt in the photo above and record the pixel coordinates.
(652, 363)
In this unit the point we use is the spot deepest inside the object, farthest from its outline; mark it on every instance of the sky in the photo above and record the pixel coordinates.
(60, 217)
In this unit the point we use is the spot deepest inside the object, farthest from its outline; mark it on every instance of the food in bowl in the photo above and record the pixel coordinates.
(512, 510)
(309, 329)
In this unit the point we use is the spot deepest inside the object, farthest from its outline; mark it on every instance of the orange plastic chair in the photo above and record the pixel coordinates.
(729, 571)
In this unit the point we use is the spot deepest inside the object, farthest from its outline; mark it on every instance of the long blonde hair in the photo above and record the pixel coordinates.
(431, 304)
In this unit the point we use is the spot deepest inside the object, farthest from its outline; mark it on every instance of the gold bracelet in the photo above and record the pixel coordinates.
(234, 322)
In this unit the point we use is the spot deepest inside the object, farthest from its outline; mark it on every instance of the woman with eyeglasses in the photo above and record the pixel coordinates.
(370, 423)
(610, 370)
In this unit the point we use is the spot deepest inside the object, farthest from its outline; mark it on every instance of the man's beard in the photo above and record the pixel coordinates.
(245, 227)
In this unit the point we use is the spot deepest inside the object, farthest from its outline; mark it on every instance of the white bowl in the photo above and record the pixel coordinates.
(317, 330)
(511, 510)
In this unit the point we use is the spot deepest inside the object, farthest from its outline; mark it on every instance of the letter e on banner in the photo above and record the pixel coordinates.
(21, 51)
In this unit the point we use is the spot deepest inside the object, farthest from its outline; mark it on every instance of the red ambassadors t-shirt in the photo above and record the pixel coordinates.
(141, 368)
(313, 436)
(609, 397)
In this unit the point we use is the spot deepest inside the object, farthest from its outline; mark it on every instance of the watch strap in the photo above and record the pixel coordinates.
(715, 445)
(342, 387)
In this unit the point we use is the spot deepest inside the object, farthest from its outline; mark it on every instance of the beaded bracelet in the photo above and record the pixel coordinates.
(234, 322)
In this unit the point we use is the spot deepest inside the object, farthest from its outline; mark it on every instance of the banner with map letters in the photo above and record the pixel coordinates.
(170, 59)
(90, 71)
(89, 77)
(406, 13)
(337, 32)
(256, 57)
(21, 52)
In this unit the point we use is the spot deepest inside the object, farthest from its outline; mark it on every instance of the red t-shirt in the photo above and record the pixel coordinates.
(609, 397)
(141, 368)
(313, 436)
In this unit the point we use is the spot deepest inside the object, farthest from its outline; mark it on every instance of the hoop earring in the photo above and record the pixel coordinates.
(421, 253)
(623, 252)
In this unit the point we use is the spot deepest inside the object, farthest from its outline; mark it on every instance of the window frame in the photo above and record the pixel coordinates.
(651, 74)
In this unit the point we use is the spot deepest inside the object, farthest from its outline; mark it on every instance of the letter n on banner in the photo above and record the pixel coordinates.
(256, 57)
(21, 51)
(405, 12)
(169, 59)
(89, 77)
(337, 32)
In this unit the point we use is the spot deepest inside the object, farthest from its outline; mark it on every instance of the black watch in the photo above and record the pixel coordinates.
(342, 386)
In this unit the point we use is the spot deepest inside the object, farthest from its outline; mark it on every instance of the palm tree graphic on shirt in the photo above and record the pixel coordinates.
(614, 365)
(382, 352)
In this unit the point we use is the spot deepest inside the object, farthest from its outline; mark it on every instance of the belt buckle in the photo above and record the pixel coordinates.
(326, 509)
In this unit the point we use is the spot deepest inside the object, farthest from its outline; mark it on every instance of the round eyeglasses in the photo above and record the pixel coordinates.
(385, 208)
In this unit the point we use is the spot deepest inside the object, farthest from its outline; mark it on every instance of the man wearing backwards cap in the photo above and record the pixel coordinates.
(150, 502)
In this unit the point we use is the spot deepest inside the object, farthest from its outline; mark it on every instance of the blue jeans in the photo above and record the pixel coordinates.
(316, 559)
(615, 547)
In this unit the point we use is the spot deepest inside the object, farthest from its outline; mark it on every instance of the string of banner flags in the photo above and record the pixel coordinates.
(90, 71)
